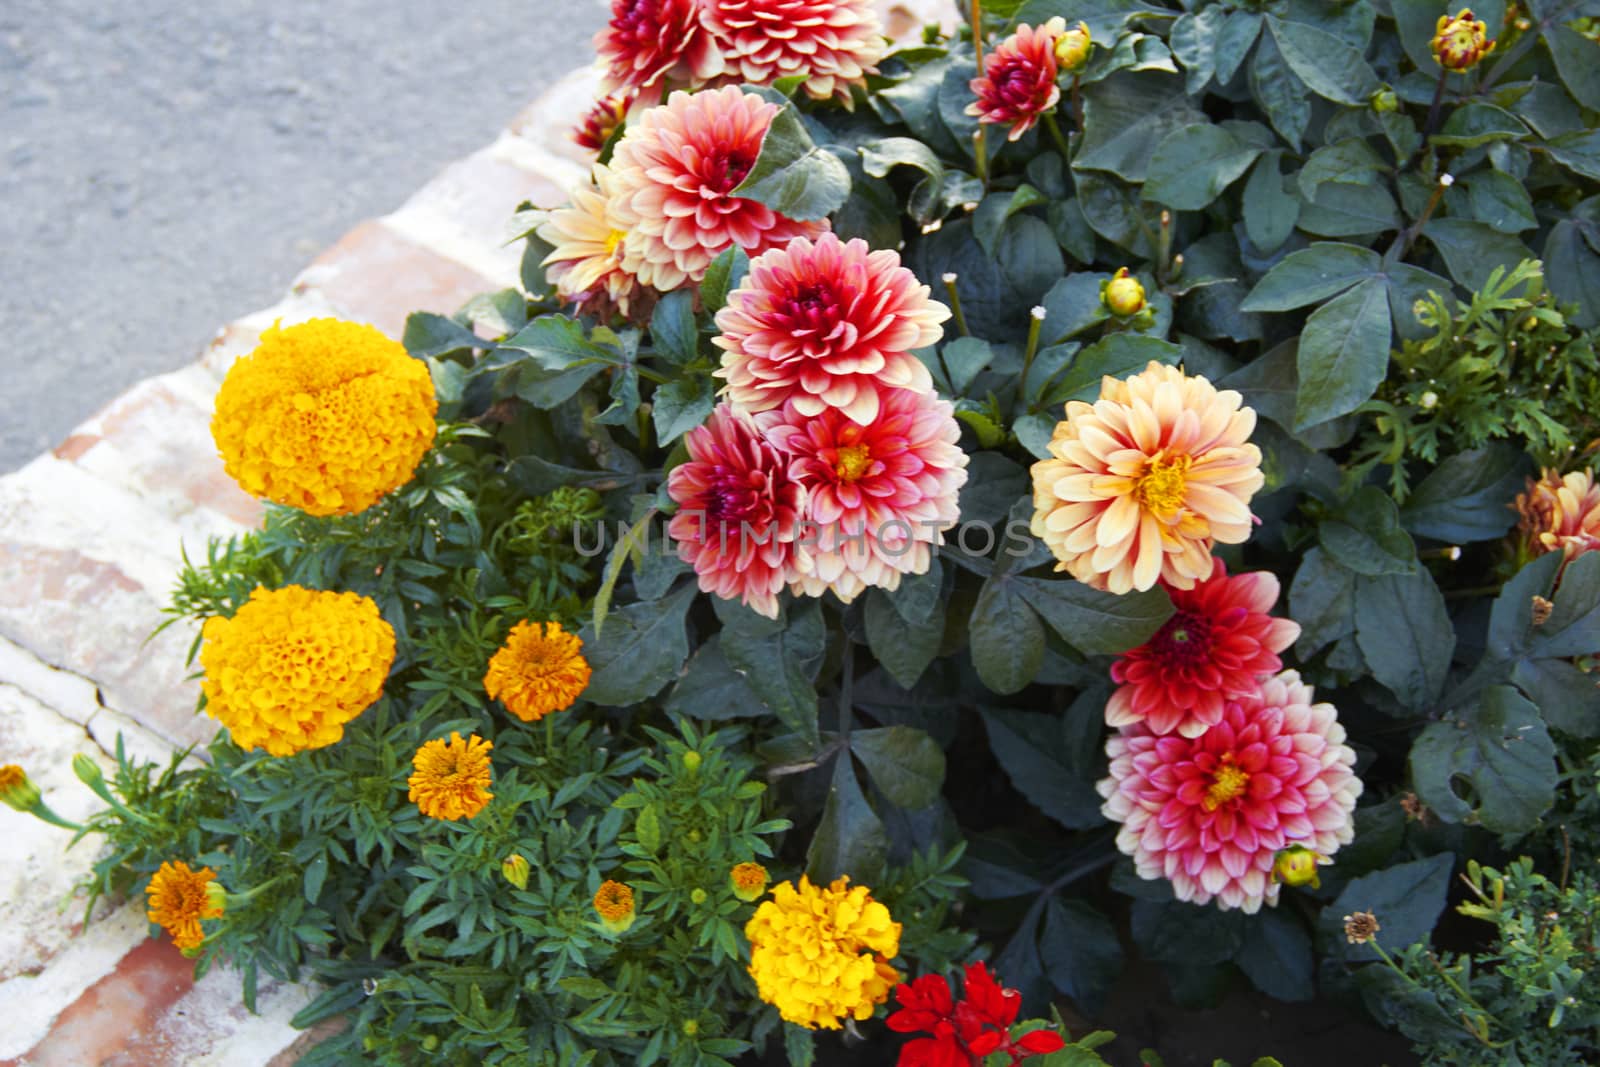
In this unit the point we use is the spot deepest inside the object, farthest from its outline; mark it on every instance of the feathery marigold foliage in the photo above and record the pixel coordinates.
(293, 666)
(326, 416)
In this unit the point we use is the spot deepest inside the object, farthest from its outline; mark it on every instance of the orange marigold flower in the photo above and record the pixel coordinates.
(17, 790)
(1460, 43)
(819, 955)
(586, 263)
(451, 779)
(1141, 483)
(293, 666)
(326, 416)
(179, 901)
(540, 669)
(613, 902)
(1560, 512)
(749, 881)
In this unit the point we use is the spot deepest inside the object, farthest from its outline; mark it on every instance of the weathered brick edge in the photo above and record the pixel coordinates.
(91, 538)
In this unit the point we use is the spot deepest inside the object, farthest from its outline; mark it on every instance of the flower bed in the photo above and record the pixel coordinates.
(1114, 486)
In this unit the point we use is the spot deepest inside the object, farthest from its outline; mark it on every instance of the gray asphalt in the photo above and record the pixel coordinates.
(167, 166)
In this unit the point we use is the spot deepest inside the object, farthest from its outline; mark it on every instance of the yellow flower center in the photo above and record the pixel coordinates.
(1161, 487)
(853, 462)
(613, 239)
(1229, 784)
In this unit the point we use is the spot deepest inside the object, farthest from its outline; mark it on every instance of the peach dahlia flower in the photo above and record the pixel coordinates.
(879, 497)
(586, 266)
(1210, 813)
(1141, 483)
(824, 325)
(675, 168)
(834, 43)
(1560, 512)
(651, 42)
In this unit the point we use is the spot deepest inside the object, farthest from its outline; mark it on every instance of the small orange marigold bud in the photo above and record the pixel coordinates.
(749, 881)
(613, 902)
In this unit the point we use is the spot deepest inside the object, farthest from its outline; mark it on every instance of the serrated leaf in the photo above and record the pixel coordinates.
(672, 327)
(1406, 898)
(1501, 747)
(1343, 354)
(850, 839)
(1468, 496)
(1192, 166)
(1328, 66)
(1125, 117)
(1030, 748)
(644, 647)
(1312, 275)
(793, 175)
(1096, 622)
(680, 406)
(1405, 633)
(1007, 638)
(906, 764)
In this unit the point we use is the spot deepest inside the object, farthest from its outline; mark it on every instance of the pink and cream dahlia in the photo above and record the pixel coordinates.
(823, 325)
(586, 265)
(1219, 641)
(1141, 483)
(739, 511)
(1211, 813)
(676, 167)
(879, 496)
(1018, 83)
(1559, 513)
(649, 43)
(834, 44)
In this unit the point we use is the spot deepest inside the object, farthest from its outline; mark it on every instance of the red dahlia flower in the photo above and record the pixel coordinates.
(825, 325)
(834, 44)
(648, 42)
(964, 1033)
(602, 120)
(738, 511)
(1018, 83)
(1217, 644)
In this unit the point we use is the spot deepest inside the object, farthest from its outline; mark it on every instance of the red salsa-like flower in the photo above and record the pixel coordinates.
(1219, 641)
(648, 42)
(966, 1031)
(1018, 83)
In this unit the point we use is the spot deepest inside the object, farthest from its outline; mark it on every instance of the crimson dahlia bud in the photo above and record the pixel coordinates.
(1073, 47)
(1460, 43)
(1123, 296)
(602, 121)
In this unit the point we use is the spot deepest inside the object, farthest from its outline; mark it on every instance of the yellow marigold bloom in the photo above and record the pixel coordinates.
(1073, 47)
(293, 666)
(540, 669)
(1141, 483)
(178, 901)
(1123, 295)
(1560, 512)
(820, 955)
(1459, 43)
(326, 416)
(613, 902)
(17, 789)
(749, 881)
(451, 779)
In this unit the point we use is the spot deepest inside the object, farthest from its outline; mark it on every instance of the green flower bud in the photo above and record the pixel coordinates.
(691, 761)
(697, 896)
(515, 869)
(1123, 295)
(17, 790)
(1384, 101)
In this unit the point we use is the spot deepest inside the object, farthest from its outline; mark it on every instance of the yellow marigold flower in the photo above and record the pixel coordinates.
(1560, 512)
(1141, 483)
(178, 901)
(749, 881)
(326, 416)
(613, 902)
(1073, 47)
(820, 955)
(17, 789)
(1123, 295)
(540, 669)
(293, 666)
(1459, 43)
(452, 777)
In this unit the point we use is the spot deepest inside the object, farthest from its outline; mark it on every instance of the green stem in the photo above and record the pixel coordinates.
(1035, 322)
(1077, 105)
(43, 813)
(955, 308)
(651, 376)
(981, 157)
(1055, 135)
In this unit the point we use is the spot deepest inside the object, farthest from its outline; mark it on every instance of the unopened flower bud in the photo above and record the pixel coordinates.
(697, 896)
(87, 770)
(216, 896)
(613, 902)
(515, 870)
(749, 881)
(1460, 43)
(1296, 865)
(691, 761)
(1384, 101)
(1428, 400)
(1073, 48)
(690, 1027)
(1123, 296)
(17, 789)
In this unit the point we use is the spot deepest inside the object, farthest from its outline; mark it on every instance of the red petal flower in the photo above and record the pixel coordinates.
(1217, 644)
(649, 41)
(834, 44)
(1018, 83)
